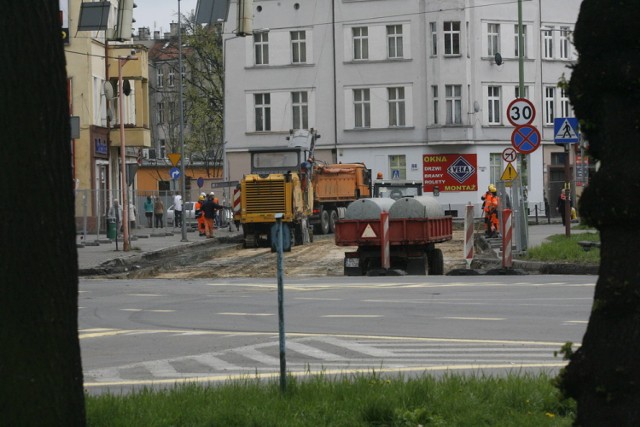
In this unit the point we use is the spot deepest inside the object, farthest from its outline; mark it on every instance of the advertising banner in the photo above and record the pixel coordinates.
(450, 172)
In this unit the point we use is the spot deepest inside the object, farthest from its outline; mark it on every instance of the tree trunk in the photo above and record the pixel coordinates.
(604, 374)
(40, 367)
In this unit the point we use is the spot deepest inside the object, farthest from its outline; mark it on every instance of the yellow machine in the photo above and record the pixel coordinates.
(279, 183)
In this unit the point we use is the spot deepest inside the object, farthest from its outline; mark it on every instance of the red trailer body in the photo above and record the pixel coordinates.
(411, 244)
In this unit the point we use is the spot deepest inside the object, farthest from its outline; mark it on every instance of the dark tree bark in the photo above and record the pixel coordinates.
(40, 367)
(604, 374)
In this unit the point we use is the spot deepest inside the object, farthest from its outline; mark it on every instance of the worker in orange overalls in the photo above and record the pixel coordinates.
(199, 213)
(490, 208)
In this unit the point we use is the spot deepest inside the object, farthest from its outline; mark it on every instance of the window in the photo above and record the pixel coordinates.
(362, 108)
(565, 105)
(262, 103)
(163, 149)
(298, 47)
(452, 38)
(172, 113)
(394, 41)
(396, 106)
(261, 48)
(300, 107)
(493, 39)
(547, 40)
(493, 98)
(564, 43)
(172, 77)
(434, 91)
(453, 95)
(398, 166)
(495, 167)
(549, 97)
(526, 92)
(183, 75)
(160, 77)
(160, 110)
(517, 41)
(434, 38)
(360, 43)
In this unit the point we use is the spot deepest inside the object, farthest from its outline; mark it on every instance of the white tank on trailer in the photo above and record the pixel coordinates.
(416, 207)
(368, 208)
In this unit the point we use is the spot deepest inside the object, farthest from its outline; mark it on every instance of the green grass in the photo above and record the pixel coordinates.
(563, 249)
(359, 400)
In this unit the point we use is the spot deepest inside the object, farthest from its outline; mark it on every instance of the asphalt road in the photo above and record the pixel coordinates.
(143, 332)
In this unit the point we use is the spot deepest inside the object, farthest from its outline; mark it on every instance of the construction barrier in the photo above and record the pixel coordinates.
(507, 236)
(468, 233)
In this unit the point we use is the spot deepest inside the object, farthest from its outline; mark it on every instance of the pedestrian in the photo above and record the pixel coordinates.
(177, 210)
(561, 207)
(210, 207)
(490, 204)
(148, 211)
(158, 212)
(133, 214)
(199, 214)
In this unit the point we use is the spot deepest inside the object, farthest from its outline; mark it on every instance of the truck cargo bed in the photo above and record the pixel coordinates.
(402, 231)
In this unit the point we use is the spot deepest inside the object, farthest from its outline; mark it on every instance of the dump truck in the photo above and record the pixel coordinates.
(394, 236)
(334, 187)
(279, 183)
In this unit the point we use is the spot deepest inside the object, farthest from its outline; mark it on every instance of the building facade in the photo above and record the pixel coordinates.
(415, 89)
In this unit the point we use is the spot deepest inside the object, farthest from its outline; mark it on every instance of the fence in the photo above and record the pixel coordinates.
(93, 207)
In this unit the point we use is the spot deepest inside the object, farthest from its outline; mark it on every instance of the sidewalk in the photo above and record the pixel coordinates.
(92, 253)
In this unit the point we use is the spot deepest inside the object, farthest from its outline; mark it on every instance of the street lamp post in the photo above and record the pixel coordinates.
(123, 167)
(183, 187)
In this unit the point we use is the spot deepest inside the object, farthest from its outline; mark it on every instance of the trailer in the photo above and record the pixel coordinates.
(391, 244)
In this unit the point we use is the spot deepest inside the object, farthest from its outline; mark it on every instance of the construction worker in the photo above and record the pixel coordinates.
(490, 207)
(200, 214)
(209, 208)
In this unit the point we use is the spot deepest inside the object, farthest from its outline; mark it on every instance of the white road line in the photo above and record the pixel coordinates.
(318, 299)
(472, 318)
(250, 352)
(160, 368)
(581, 322)
(352, 315)
(357, 347)
(145, 295)
(147, 311)
(246, 314)
(216, 363)
(312, 351)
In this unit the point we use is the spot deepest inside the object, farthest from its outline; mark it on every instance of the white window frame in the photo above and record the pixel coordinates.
(394, 41)
(262, 111)
(172, 77)
(261, 48)
(494, 109)
(453, 101)
(493, 39)
(298, 47)
(300, 110)
(362, 108)
(547, 43)
(495, 167)
(360, 43)
(517, 41)
(399, 162)
(160, 112)
(517, 92)
(397, 106)
(451, 31)
(565, 104)
(433, 26)
(564, 42)
(549, 105)
(434, 93)
(160, 77)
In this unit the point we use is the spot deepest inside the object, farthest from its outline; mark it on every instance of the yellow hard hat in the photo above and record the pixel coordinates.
(492, 188)
(201, 197)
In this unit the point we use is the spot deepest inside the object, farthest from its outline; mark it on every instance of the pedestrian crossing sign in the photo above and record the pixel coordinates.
(565, 130)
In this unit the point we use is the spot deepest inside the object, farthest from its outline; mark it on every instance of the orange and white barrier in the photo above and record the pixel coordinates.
(236, 202)
(468, 234)
(384, 241)
(507, 236)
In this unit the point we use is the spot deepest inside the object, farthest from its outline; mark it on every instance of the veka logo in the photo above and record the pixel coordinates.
(461, 170)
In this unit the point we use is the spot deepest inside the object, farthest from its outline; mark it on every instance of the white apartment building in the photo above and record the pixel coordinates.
(411, 88)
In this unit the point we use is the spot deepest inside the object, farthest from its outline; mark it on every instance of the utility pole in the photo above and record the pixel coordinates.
(183, 187)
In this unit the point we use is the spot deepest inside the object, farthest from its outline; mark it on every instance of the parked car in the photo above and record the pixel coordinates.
(188, 215)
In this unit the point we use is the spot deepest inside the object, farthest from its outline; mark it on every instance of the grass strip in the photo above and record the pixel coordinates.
(350, 400)
(560, 248)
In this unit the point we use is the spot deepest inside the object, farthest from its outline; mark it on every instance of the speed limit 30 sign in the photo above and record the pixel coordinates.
(521, 112)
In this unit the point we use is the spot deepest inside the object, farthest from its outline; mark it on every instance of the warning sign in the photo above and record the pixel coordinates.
(174, 158)
(509, 173)
(368, 232)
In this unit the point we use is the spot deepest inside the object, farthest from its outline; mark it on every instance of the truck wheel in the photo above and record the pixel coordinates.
(333, 218)
(436, 262)
(298, 237)
(324, 222)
